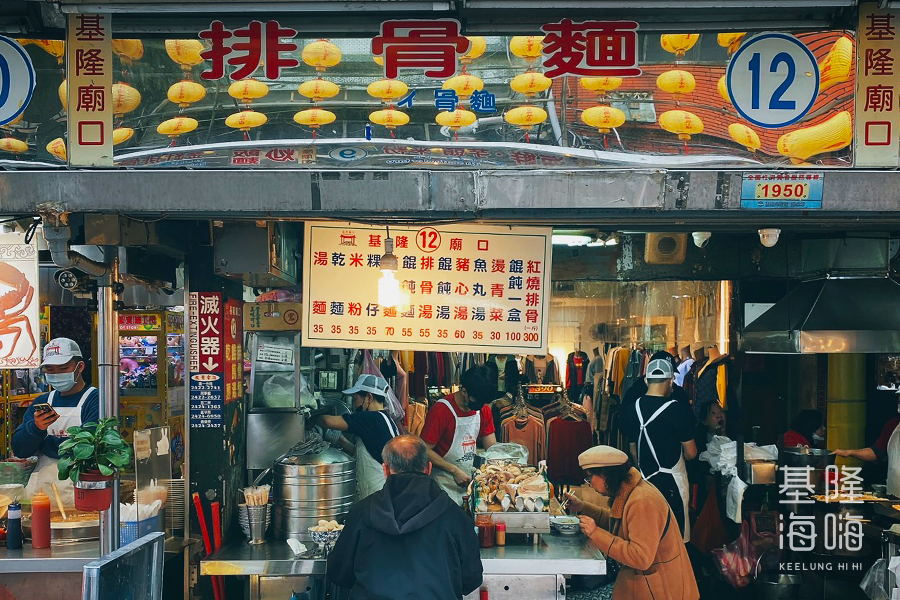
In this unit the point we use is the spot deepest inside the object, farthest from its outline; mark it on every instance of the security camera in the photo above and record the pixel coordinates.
(701, 238)
(769, 237)
(66, 279)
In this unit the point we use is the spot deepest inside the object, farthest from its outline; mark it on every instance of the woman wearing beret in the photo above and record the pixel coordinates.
(638, 531)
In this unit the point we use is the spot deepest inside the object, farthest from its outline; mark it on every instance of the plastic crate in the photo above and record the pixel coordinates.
(130, 531)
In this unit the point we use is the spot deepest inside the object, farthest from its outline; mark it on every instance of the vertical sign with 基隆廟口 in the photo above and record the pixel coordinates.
(89, 68)
(877, 109)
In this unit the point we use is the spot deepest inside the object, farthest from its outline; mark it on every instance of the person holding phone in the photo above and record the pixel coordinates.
(70, 404)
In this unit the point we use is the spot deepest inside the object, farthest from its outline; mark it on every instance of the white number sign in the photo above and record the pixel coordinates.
(773, 80)
(16, 80)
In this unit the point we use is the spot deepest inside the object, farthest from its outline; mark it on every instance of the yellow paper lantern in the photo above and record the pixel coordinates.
(390, 118)
(13, 145)
(246, 120)
(678, 43)
(321, 55)
(732, 41)
(601, 84)
(676, 82)
(477, 46)
(247, 90)
(315, 117)
(125, 98)
(834, 134)
(722, 86)
(387, 90)
(55, 48)
(185, 52)
(64, 95)
(682, 122)
(526, 117)
(57, 148)
(455, 119)
(838, 64)
(24, 42)
(603, 118)
(744, 136)
(177, 126)
(378, 61)
(128, 50)
(122, 135)
(528, 47)
(464, 85)
(319, 89)
(530, 83)
(185, 93)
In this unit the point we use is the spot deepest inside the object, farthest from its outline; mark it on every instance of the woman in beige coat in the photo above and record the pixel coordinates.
(638, 531)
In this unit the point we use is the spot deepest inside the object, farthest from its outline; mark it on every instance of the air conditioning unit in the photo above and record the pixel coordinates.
(259, 256)
(665, 248)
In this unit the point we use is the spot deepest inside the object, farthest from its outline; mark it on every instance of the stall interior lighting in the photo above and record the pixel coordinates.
(571, 240)
(390, 292)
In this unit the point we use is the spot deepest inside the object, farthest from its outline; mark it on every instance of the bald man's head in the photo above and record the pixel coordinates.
(406, 454)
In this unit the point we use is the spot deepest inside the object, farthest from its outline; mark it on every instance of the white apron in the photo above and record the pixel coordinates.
(461, 452)
(369, 472)
(46, 471)
(893, 456)
(678, 472)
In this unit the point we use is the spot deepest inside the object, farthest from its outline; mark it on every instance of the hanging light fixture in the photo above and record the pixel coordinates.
(389, 294)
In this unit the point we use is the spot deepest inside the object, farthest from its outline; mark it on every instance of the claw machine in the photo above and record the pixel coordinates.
(151, 374)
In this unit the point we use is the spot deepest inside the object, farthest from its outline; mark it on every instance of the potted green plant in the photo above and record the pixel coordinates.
(90, 458)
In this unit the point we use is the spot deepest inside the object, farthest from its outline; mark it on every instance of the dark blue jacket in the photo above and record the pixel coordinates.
(28, 440)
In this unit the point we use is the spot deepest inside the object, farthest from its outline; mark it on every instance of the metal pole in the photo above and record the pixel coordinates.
(108, 385)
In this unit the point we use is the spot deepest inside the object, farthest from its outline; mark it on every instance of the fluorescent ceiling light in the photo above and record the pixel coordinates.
(571, 240)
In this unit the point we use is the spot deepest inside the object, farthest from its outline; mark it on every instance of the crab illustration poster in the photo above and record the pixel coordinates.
(19, 300)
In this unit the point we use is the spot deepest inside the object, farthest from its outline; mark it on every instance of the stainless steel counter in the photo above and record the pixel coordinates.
(64, 558)
(554, 554)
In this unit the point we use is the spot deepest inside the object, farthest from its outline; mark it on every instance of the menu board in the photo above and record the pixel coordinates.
(466, 288)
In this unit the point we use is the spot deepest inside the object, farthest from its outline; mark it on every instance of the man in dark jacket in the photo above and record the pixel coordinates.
(409, 541)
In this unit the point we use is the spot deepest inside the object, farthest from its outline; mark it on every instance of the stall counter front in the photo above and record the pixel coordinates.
(534, 571)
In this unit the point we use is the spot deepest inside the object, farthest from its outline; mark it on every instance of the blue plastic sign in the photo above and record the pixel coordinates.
(773, 80)
(782, 190)
(16, 80)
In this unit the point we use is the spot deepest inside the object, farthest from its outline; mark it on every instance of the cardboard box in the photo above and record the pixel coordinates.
(272, 316)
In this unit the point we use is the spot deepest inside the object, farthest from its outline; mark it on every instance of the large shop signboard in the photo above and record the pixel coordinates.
(91, 99)
(468, 288)
(877, 104)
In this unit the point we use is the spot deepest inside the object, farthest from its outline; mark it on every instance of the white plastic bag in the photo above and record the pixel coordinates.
(874, 584)
(395, 409)
(734, 498)
(507, 451)
(278, 391)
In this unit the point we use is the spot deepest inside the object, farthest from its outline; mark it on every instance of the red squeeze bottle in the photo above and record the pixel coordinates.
(40, 520)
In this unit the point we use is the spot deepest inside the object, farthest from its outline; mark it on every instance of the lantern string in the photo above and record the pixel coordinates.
(246, 136)
(392, 134)
(172, 145)
(605, 142)
(686, 151)
(314, 134)
(527, 137)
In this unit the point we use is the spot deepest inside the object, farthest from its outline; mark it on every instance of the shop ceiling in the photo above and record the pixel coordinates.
(615, 199)
(330, 17)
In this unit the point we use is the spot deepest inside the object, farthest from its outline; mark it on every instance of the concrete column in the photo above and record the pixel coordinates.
(846, 402)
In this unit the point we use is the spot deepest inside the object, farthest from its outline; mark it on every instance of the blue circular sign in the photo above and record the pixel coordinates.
(773, 80)
(17, 80)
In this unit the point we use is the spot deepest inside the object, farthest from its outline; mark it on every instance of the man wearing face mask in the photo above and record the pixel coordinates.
(70, 404)
(886, 446)
(455, 426)
(371, 425)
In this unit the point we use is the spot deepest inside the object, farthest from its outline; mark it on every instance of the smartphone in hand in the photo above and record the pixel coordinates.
(43, 408)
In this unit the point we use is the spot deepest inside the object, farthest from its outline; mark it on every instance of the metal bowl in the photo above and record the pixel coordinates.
(244, 518)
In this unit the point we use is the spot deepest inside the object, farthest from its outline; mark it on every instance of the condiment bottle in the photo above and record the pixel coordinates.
(501, 533)
(485, 530)
(40, 520)
(14, 526)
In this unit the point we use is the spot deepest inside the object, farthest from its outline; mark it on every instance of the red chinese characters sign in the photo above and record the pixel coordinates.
(209, 339)
(591, 49)
(877, 102)
(432, 47)
(234, 355)
(89, 76)
(470, 288)
(248, 48)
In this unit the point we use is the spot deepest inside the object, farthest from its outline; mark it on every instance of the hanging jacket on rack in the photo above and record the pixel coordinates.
(711, 383)
(576, 373)
(541, 369)
(634, 370)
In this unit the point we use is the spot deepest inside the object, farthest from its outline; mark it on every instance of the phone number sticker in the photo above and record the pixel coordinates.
(782, 191)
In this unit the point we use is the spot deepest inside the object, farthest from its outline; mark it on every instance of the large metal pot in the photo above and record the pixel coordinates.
(778, 586)
(819, 460)
(309, 488)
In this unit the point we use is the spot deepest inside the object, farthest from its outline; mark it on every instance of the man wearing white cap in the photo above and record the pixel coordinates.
(663, 431)
(70, 404)
(373, 428)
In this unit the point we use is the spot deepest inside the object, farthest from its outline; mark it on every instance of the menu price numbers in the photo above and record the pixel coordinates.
(781, 191)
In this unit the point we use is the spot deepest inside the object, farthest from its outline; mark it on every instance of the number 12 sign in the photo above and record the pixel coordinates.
(773, 80)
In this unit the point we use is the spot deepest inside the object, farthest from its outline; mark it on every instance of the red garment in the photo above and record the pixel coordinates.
(882, 442)
(567, 439)
(792, 438)
(440, 426)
